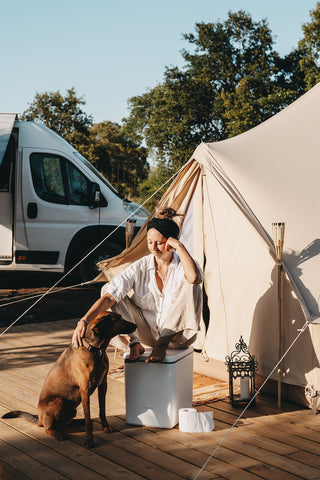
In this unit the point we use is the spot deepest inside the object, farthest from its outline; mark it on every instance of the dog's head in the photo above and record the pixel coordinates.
(107, 325)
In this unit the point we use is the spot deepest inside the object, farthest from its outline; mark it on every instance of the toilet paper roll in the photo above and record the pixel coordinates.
(192, 421)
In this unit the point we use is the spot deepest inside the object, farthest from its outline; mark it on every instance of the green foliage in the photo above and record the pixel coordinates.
(63, 115)
(232, 80)
(309, 49)
(223, 90)
(122, 161)
(152, 189)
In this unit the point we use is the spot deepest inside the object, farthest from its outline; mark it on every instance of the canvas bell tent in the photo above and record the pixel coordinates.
(230, 193)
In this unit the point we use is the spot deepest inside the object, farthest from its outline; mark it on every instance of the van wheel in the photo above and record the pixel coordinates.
(88, 268)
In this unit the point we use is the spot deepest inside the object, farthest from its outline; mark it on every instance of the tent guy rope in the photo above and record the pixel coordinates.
(26, 297)
(300, 332)
(51, 289)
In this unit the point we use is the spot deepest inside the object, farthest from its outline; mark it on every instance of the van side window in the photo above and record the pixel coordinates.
(56, 180)
(78, 184)
(46, 170)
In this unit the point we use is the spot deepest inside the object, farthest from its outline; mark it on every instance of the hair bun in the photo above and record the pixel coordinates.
(166, 213)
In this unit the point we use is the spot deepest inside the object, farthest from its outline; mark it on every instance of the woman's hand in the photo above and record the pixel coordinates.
(103, 303)
(172, 243)
(190, 268)
(79, 332)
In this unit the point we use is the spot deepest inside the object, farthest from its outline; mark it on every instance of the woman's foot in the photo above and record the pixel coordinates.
(157, 355)
(135, 351)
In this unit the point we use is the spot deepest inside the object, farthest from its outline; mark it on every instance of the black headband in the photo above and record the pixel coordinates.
(167, 228)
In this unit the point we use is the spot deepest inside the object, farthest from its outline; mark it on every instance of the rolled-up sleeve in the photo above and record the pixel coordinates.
(121, 285)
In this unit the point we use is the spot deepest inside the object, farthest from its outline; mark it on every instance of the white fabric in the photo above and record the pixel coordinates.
(182, 321)
(233, 191)
(272, 172)
(140, 278)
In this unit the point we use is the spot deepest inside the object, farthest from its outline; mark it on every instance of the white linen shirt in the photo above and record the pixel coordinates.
(140, 277)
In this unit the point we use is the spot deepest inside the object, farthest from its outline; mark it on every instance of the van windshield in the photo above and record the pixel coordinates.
(95, 171)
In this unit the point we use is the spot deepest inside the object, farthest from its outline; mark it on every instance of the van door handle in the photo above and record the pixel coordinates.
(32, 210)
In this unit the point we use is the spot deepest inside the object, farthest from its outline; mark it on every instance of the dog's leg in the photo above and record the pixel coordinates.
(85, 399)
(102, 390)
(47, 417)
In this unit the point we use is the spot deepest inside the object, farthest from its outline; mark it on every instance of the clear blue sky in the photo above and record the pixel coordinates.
(111, 50)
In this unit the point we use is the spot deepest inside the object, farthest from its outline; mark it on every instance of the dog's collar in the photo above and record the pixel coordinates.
(91, 348)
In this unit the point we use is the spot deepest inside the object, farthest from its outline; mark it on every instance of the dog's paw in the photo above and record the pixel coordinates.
(56, 434)
(108, 429)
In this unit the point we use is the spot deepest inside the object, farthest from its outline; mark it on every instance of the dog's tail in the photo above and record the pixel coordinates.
(19, 414)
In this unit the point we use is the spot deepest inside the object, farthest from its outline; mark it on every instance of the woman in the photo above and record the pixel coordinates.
(160, 292)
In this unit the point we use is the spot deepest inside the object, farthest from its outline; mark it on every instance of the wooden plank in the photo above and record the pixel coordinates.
(282, 434)
(18, 381)
(74, 460)
(27, 381)
(283, 424)
(139, 450)
(9, 473)
(147, 436)
(47, 328)
(267, 443)
(255, 438)
(174, 442)
(266, 457)
(26, 465)
(10, 362)
(35, 337)
(149, 450)
(307, 458)
(131, 461)
(10, 402)
(20, 393)
(45, 351)
(256, 452)
(241, 436)
(284, 437)
(271, 473)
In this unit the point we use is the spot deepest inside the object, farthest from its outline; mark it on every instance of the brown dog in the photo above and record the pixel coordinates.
(75, 376)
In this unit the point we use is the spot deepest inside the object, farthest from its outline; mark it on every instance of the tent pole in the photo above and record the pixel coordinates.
(278, 237)
(279, 331)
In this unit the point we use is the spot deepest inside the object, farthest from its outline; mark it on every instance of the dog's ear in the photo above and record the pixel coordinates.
(101, 316)
(115, 316)
(101, 322)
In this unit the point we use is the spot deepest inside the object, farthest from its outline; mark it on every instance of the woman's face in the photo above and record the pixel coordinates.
(157, 244)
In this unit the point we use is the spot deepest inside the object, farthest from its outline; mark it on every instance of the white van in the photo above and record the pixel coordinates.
(54, 205)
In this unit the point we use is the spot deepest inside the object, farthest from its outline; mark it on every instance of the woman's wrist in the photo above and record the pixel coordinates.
(84, 320)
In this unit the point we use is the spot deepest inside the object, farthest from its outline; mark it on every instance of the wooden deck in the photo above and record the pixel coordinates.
(266, 444)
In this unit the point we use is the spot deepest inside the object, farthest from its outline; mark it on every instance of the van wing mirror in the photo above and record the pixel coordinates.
(95, 195)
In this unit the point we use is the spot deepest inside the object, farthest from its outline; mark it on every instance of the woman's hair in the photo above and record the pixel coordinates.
(167, 212)
(163, 223)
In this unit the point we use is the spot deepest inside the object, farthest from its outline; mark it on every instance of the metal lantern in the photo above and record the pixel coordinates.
(241, 367)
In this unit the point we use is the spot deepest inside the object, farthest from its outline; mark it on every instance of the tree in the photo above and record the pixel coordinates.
(308, 51)
(231, 66)
(63, 115)
(122, 161)
(152, 189)
(233, 79)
